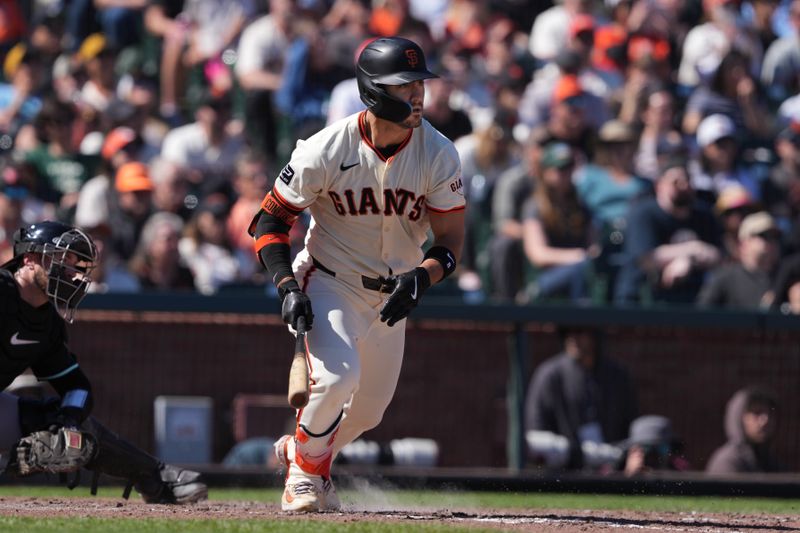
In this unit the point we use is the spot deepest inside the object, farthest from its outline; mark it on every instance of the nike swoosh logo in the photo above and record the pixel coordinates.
(414, 294)
(342, 166)
(16, 341)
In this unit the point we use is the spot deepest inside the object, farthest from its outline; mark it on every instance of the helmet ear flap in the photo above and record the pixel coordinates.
(379, 101)
(366, 89)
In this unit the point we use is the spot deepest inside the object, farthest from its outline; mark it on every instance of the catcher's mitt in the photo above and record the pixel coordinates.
(59, 451)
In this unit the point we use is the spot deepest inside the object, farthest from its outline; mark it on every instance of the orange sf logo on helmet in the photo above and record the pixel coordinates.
(413, 59)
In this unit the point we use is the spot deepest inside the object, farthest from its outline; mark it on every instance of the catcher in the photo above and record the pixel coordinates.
(40, 288)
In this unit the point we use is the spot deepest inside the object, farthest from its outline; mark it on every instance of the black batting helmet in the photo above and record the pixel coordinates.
(389, 61)
(68, 257)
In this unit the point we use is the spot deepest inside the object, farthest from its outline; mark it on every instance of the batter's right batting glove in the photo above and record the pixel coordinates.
(408, 289)
(295, 303)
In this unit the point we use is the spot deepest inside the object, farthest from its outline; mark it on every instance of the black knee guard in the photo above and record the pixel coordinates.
(155, 481)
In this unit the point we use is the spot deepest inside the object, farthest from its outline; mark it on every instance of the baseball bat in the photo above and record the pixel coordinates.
(298, 373)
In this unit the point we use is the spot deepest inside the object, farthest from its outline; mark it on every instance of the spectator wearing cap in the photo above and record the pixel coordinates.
(259, 70)
(122, 145)
(782, 189)
(733, 204)
(652, 446)
(97, 58)
(743, 284)
(607, 187)
(608, 184)
(781, 68)
(556, 229)
(569, 116)
(671, 241)
(129, 206)
(555, 79)
(582, 40)
(731, 91)
(647, 70)
(717, 165)
(207, 148)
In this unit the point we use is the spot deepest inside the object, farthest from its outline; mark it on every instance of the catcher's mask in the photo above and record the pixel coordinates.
(389, 61)
(68, 258)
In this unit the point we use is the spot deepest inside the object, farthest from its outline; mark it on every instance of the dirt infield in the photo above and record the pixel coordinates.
(537, 521)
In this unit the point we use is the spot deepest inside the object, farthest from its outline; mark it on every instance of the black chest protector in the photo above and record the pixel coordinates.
(28, 335)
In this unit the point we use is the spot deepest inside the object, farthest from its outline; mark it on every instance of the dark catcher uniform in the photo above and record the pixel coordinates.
(36, 338)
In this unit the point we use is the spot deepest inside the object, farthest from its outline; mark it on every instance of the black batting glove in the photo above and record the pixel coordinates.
(408, 289)
(295, 304)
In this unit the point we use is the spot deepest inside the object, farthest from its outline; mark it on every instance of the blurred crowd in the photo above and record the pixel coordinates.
(582, 413)
(613, 151)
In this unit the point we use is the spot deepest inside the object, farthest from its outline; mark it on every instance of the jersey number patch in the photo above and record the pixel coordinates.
(287, 174)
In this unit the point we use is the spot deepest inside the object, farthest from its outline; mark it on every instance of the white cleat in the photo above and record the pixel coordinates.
(301, 496)
(325, 497)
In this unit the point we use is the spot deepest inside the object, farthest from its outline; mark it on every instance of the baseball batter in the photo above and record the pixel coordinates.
(374, 184)
(40, 287)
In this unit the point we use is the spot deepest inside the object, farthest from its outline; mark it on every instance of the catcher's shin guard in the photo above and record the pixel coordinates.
(155, 481)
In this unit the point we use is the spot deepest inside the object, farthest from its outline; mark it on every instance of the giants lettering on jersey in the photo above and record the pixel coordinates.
(395, 202)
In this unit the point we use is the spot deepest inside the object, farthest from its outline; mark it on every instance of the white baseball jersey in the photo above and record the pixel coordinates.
(370, 215)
